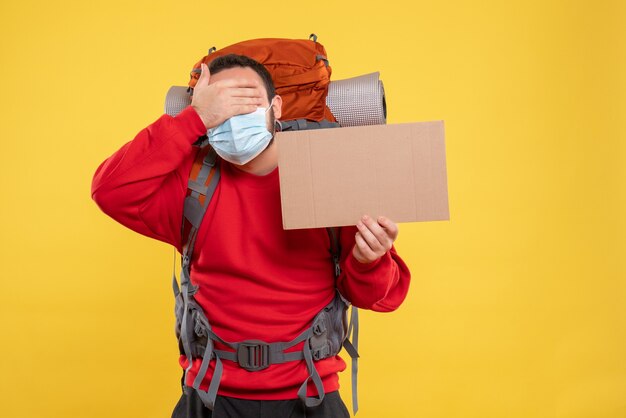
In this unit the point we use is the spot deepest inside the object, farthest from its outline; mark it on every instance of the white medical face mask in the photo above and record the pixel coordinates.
(241, 138)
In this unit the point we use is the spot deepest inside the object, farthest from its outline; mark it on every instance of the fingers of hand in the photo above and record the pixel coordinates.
(362, 250)
(224, 99)
(221, 104)
(375, 236)
(229, 88)
(252, 92)
(390, 226)
(237, 101)
(369, 238)
(240, 83)
(229, 97)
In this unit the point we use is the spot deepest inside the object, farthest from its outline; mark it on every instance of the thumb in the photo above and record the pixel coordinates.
(205, 75)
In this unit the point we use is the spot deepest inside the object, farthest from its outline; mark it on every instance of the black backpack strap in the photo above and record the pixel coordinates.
(335, 249)
(305, 124)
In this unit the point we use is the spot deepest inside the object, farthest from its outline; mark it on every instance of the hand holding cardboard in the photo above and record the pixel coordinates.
(374, 238)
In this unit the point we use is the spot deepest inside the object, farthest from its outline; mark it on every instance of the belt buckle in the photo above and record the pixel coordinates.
(253, 355)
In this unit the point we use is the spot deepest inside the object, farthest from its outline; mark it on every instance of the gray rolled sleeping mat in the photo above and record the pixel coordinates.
(358, 101)
(354, 101)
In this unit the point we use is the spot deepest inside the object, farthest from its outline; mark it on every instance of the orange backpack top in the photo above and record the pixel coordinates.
(299, 70)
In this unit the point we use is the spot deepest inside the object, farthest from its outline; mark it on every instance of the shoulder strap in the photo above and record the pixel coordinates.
(202, 183)
(335, 248)
(351, 341)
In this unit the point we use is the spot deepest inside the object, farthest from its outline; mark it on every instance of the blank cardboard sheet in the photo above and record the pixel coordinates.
(331, 177)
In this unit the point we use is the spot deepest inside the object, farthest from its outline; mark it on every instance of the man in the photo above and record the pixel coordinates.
(255, 280)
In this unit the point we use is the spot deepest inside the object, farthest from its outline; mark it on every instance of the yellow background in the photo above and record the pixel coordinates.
(517, 305)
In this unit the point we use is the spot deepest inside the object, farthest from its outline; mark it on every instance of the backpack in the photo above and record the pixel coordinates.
(300, 71)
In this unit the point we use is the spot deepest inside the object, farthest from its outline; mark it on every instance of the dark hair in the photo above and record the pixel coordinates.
(232, 60)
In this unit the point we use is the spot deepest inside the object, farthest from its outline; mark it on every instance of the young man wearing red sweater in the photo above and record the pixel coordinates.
(255, 280)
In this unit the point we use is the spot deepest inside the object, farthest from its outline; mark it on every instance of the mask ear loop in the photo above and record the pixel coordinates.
(277, 126)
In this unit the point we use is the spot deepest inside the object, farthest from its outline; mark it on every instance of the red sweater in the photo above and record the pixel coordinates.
(256, 280)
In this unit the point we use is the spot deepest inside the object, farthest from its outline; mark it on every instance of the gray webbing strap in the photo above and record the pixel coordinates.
(304, 124)
(206, 359)
(184, 285)
(175, 287)
(275, 351)
(276, 355)
(353, 327)
(208, 397)
(194, 212)
(314, 376)
(195, 218)
(352, 349)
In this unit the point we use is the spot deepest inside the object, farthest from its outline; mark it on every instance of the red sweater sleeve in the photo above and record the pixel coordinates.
(125, 185)
(380, 286)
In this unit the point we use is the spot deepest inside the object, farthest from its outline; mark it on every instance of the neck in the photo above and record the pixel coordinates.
(264, 163)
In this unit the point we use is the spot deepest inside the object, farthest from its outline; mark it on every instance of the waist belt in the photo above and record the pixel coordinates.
(323, 339)
(255, 355)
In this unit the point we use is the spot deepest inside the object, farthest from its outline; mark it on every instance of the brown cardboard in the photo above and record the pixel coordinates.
(331, 177)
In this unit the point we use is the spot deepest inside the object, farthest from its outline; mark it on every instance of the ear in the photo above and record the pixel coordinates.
(277, 106)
